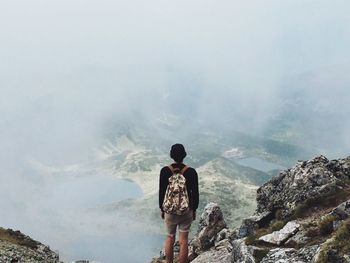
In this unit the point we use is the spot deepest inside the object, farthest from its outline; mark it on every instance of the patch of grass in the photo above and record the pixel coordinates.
(342, 236)
(326, 225)
(279, 214)
(312, 232)
(277, 225)
(253, 238)
(339, 244)
(259, 254)
(334, 195)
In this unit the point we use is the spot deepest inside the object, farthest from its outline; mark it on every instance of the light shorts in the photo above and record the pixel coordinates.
(183, 221)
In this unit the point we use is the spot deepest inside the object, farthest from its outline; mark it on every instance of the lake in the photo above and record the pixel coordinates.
(60, 211)
(259, 164)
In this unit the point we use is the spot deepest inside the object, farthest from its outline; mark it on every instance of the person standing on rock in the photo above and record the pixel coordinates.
(178, 201)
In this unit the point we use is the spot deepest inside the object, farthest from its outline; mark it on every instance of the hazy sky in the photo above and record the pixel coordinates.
(67, 66)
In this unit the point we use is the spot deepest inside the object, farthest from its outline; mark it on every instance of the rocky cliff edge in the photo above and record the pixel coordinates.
(303, 215)
(17, 247)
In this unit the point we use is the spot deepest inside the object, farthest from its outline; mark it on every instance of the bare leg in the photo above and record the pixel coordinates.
(169, 248)
(183, 240)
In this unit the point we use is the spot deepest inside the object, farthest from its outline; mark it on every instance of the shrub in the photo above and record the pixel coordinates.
(299, 211)
(312, 232)
(279, 214)
(333, 195)
(277, 225)
(342, 236)
(259, 254)
(340, 243)
(326, 225)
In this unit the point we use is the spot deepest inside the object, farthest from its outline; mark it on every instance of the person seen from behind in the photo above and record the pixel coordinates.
(178, 201)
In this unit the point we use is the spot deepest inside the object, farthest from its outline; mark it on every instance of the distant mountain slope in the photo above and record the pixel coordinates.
(221, 179)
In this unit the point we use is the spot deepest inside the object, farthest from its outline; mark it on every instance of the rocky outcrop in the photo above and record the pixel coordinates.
(17, 247)
(306, 180)
(276, 232)
(210, 224)
(291, 255)
(212, 233)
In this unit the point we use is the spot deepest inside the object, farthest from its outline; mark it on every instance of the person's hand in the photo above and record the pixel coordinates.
(162, 214)
(194, 215)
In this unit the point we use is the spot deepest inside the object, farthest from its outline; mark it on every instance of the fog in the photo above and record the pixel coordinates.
(68, 67)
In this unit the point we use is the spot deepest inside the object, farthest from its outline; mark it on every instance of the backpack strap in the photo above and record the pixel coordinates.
(184, 169)
(171, 169)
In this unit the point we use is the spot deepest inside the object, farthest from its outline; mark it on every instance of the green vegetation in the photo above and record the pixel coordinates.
(339, 243)
(312, 232)
(259, 254)
(279, 215)
(342, 236)
(252, 239)
(278, 225)
(333, 195)
(326, 225)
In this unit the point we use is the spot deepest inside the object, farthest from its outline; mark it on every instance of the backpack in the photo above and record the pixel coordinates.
(176, 197)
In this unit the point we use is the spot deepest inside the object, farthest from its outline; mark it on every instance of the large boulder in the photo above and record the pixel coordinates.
(210, 224)
(279, 237)
(307, 179)
(221, 252)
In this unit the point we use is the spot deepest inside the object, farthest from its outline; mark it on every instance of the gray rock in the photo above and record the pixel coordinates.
(222, 235)
(342, 211)
(222, 255)
(24, 249)
(10, 251)
(279, 237)
(210, 224)
(219, 253)
(299, 239)
(291, 255)
(157, 260)
(252, 223)
(241, 253)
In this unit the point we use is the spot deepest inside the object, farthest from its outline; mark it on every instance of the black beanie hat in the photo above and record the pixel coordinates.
(178, 152)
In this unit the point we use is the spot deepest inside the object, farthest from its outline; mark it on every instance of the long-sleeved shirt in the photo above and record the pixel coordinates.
(191, 184)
